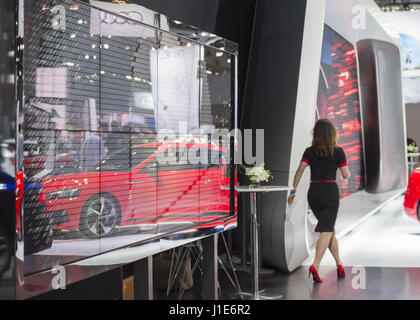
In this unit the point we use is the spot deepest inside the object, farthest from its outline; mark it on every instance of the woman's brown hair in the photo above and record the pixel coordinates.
(324, 138)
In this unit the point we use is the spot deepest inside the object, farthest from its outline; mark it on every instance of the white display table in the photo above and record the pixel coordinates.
(254, 236)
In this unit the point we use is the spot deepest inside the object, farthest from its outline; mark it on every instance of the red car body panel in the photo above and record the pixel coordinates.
(412, 195)
(170, 195)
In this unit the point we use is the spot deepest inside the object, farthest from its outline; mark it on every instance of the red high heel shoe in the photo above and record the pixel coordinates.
(314, 272)
(340, 272)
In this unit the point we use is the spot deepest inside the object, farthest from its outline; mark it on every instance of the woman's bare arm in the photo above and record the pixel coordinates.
(299, 173)
(296, 180)
(345, 172)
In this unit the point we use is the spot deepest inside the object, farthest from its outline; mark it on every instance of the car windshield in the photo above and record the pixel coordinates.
(125, 160)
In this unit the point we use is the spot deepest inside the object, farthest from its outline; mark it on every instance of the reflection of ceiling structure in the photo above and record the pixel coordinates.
(398, 5)
(184, 31)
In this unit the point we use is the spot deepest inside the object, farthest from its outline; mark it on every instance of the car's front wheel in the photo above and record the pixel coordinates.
(100, 215)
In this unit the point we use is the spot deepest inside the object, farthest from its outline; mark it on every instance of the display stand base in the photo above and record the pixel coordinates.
(248, 269)
(250, 295)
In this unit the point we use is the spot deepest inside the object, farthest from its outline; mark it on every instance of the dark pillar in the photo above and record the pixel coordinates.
(209, 289)
(104, 286)
(143, 279)
(269, 104)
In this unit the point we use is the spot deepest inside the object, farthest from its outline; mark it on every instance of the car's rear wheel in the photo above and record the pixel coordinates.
(100, 215)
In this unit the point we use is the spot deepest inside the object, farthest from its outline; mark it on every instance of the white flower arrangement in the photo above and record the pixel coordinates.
(411, 148)
(257, 174)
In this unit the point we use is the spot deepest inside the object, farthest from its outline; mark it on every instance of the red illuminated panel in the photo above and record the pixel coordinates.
(338, 101)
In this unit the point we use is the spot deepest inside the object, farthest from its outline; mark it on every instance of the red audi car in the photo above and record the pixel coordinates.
(412, 195)
(133, 187)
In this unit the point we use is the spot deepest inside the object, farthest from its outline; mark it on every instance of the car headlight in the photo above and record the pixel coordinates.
(63, 194)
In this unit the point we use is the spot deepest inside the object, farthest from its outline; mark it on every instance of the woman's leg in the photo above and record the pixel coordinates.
(321, 247)
(333, 246)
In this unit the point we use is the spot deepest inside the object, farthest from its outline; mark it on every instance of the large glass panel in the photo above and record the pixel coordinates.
(59, 132)
(116, 131)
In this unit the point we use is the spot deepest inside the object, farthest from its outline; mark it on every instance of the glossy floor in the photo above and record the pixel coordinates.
(369, 283)
(389, 238)
(381, 257)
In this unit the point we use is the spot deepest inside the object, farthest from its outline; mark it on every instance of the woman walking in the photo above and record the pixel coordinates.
(324, 158)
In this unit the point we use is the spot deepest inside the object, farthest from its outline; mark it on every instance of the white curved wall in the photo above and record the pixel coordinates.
(342, 16)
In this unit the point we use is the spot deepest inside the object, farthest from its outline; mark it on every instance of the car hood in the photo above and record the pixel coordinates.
(76, 180)
(70, 181)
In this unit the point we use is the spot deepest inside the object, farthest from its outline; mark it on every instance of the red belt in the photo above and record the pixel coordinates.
(323, 181)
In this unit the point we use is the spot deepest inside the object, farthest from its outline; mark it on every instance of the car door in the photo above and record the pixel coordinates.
(132, 189)
(143, 195)
(213, 200)
(178, 190)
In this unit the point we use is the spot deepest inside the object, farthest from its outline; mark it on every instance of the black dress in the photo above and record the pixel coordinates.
(323, 194)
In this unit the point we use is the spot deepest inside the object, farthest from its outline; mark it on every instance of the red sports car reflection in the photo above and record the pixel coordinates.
(412, 195)
(131, 187)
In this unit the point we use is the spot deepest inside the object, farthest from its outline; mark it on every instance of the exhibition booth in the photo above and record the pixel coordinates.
(128, 136)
